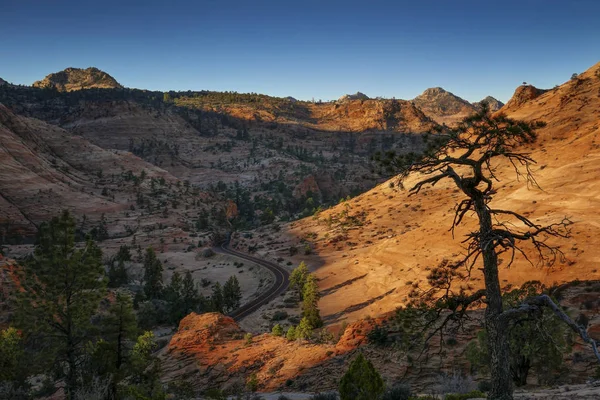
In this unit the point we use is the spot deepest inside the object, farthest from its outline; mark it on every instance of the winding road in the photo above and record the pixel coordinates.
(282, 281)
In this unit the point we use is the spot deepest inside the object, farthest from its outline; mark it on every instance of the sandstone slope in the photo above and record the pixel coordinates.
(46, 169)
(369, 252)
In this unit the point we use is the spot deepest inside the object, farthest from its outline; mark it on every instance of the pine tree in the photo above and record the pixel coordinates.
(232, 293)
(304, 329)
(291, 333)
(13, 368)
(145, 367)
(124, 253)
(117, 276)
(298, 276)
(216, 298)
(361, 381)
(61, 289)
(310, 300)
(153, 269)
(277, 330)
(192, 300)
(119, 327)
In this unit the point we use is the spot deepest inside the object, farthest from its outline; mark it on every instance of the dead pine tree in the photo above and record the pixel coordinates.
(469, 156)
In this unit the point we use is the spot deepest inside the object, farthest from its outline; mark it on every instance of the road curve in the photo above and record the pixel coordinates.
(282, 281)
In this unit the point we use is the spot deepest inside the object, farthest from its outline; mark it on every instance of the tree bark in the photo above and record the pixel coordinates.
(502, 388)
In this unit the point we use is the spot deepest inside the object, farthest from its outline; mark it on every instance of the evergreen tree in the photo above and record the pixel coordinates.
(192, 300)
(61, 289)
(182, 296)
(145, 378)
(277, 330)
(13, 368)
(537, 343)
(112, 354)
(361, 381)
(153, 269)
(304, 329)
(124, 253)
(298, 276)
(291, 333)
(117, 276)
(310, 300)
(216, 298)
(232, 293)
(173, 291)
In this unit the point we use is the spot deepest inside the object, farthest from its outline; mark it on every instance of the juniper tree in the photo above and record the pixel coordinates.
(468, 157)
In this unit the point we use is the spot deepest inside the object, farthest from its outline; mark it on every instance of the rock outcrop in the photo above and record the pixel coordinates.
(522, 95)
(76, 79)
(211, 351)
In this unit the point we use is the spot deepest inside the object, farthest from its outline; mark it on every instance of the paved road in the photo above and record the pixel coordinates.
(282, 281)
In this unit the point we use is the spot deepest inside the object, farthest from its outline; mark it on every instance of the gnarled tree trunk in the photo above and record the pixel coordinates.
(498, 348)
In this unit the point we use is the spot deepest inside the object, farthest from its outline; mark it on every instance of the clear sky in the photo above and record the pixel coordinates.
(321, 49)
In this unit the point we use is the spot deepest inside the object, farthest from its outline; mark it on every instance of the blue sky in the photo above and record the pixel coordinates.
(321, 49)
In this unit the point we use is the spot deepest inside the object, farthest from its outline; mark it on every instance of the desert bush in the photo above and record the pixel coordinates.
(252, 383)
(97, 389)
(455, 382)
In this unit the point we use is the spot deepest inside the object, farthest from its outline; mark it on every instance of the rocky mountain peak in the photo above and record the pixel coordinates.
(76, 79)
(492, 102)
(443, 106)
(356, 96)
